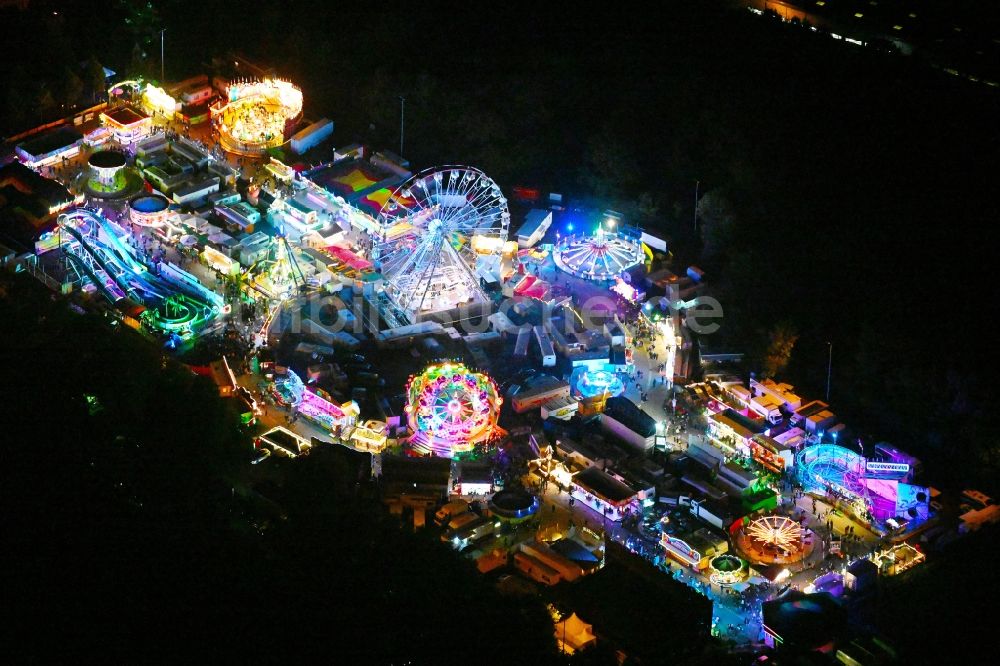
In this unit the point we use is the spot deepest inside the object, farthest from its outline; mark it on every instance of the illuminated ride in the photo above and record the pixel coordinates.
(897, 558)
(279, 275)
(156, 100)
(596, 383)
(288, 390)
(513, 505)
(774, 540)
(451, 409)
(169, 301)
(108, 176)
(107, 167)
(727, 569)
(433, 229)
(836, 471)
(126, 91)
(600, 256)
(149, 210)
(257, 115)
(153, 99)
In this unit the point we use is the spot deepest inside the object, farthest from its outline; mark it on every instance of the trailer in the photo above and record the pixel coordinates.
(311, 136)
(548, 353)
(523, 337)
(536, 223)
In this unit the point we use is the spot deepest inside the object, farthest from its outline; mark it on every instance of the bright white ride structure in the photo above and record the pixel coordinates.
(424, 247)
(599, 256)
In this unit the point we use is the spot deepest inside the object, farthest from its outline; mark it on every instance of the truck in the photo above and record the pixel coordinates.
(459, 520)
(471, 530)
(449, 510)
(977, 510)
(545, 348)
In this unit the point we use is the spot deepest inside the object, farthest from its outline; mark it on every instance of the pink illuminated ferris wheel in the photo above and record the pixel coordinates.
(451, 409)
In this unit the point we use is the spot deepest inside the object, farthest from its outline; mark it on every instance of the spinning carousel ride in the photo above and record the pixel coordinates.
(590, 383)
(600, 256)
(727, 569)
(257, 115)
(774, 540)
(451, 409)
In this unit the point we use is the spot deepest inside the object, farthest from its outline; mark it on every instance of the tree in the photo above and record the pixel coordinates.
(72, 88)
(45, 102)
(141, 19)
(138, 64)
(94, 78)
(610, 166)
(716, 221)
(19, 98)
(781, 342)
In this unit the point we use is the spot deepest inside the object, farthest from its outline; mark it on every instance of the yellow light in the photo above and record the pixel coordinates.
(157, 99)
(486, 244)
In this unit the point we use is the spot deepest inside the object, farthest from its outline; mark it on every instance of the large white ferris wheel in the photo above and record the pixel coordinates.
(432, 230)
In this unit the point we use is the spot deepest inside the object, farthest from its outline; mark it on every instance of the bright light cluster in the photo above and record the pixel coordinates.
(600, 256)
(156, 99)
(435, 227)
(255, 117)
(591, 383)
(776, 532)
(453, 405)
(289, 390)
(726, 569)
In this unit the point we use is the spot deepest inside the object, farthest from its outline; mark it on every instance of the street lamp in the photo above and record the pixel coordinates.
(829, 367)
(697, 183)
(162, 66)
(402, 120)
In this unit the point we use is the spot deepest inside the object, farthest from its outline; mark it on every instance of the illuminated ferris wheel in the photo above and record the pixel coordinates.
(432, 230)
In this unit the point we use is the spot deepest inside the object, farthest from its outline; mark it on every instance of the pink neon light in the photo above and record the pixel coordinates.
(313, 405)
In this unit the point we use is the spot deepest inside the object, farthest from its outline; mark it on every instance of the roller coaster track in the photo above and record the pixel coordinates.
(117, 273)
(127, 281)
(107, 286)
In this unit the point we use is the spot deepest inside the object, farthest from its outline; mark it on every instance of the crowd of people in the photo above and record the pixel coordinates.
(252, 125)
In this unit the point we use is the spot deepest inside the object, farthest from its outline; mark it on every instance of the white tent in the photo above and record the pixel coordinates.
(574, 634)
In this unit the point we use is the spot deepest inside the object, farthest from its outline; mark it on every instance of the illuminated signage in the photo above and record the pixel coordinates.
(218, 261)
(875, 466)
(681, 550)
